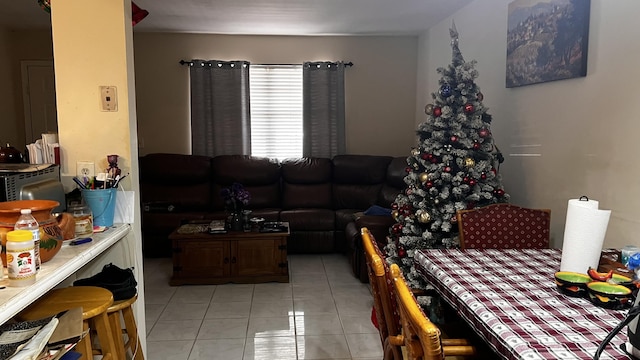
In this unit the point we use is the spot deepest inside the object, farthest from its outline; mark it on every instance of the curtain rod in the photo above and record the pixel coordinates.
(186, 62)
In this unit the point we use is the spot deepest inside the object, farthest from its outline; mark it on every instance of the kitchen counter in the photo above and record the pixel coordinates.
(67, 262)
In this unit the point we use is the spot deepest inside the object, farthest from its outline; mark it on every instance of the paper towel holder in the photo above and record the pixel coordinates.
(586, 198)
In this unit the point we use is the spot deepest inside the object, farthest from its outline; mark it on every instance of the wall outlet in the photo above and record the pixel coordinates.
(85, 169)
(108, 98)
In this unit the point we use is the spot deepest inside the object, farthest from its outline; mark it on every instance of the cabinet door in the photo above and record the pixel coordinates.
(255, 257)
(204, 259)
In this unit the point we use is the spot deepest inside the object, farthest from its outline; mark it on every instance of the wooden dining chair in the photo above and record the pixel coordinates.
(386, 310)
(421, 338)
(504, 226)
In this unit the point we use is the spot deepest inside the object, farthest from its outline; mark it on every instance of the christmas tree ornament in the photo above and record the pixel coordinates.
(469, 162)
(395, 214)
(445, 90)
(454, 219)
(428, 109)
(394, 206)
(483, 132)
(436, 201)
(429, 184)
(447, 169)
(472, 182)
(476, 145)
(453, 138)
(408, 169)
(401, 251)
(499, 192)
(408, 191)
(423, 177)
(468, 108)
(424, 217)
(437, 111)
(494, 171)
(426, 156)
(434, 160)
(483, 176)
(415, 152)
(465, 180)
(480, 96)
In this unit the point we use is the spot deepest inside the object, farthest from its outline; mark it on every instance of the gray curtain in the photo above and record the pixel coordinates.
(323, 109)
(220, 113)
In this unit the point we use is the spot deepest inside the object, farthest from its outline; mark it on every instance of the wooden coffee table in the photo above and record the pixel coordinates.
(236, 256)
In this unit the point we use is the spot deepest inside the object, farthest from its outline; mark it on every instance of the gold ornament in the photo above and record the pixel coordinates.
(423, 177)
(424, 217)
(469, 162)
(415, 152)
(428, 109)
(394, 215)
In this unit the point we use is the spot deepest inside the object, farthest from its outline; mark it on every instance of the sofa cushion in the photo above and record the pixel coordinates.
(180, 198)
(309, 219)
(394, 183)
(306, 196)
(306, 170)
(360, 169)
(174, 169)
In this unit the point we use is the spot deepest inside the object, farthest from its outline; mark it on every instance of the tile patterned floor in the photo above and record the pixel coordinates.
(323, 313)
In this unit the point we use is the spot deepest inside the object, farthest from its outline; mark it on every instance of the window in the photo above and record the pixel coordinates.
(276, 110)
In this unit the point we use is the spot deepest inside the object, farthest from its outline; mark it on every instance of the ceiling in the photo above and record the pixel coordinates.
(266, 17)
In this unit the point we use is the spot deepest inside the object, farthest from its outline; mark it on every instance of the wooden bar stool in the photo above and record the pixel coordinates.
(131, 330)
(94, 302)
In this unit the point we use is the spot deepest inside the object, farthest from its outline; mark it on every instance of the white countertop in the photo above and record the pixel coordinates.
(65, 263)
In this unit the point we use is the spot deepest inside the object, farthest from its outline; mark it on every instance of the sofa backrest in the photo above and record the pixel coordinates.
(260, 176)
(188, 175)
(394, 183)
(358, 179)
(306, 183)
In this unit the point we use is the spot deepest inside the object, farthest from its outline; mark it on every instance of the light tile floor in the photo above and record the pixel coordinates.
(323, 313)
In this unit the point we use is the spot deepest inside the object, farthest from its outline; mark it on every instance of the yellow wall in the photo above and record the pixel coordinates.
(380, 87)
(584, 130)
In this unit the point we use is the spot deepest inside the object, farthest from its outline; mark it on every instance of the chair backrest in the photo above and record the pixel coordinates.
(504, 226)
(421, 338)
(380, 279)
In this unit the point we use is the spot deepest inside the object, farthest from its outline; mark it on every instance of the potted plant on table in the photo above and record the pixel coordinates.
(236, 198)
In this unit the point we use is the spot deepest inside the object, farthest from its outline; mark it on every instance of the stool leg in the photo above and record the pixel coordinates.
(132, 333)
(104, 335)
(116, 332)
(84, 346)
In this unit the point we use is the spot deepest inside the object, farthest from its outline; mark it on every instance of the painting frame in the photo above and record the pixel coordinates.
(547, 40)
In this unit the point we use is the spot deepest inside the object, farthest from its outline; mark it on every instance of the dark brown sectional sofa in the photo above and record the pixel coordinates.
(317, 196)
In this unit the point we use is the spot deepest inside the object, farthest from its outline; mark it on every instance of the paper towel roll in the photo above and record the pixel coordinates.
(584, 232)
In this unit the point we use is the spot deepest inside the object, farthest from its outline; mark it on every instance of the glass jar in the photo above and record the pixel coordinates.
(83, 217)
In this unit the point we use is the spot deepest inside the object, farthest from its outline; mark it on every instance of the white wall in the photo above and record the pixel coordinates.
(380, 87)
(585, 129)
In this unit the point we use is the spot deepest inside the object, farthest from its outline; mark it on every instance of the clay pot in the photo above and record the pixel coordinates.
(50, 233)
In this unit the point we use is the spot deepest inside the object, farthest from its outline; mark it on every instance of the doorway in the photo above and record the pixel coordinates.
(39, 97)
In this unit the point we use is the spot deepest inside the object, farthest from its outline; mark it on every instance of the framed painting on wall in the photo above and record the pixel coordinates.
(546, 40)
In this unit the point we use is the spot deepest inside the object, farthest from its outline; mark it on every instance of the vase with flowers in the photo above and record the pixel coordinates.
(235, 197)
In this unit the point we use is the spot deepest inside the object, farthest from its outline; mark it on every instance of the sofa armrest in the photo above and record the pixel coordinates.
(378, 226)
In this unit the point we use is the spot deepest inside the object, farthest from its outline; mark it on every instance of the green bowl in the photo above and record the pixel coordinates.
(572, 283)
(610, 296)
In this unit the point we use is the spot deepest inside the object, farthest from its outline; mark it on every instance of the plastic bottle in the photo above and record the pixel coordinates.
(21, 260)
(26, 221)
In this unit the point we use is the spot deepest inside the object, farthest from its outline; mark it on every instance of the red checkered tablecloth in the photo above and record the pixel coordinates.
(510, 298)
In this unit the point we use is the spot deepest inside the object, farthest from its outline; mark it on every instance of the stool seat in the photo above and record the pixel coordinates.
(94, 302)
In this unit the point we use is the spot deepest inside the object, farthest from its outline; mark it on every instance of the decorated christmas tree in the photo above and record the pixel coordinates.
(453, 167)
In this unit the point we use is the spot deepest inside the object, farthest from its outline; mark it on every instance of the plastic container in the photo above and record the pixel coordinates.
(103, 205)
(626, 253)
(21, 261)
(26, 221)
(83, 217)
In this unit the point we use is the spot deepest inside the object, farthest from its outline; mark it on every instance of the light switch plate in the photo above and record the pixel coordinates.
(108, 98)
(85, 169)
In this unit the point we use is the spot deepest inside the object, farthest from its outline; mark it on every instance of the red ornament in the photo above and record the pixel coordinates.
(437, 111)
(407, 169)
(469, 108)
(494, 171)
(472, 182)
(454, 219)
(483, 132)
(447, 169)
(409, 191)
(434, 159)
(453, 138)
(401, 251)
(499, 192)
(476, 145)
(425, 156)
(429, 184)
(483, 176)
(466, 179)
(394, 206)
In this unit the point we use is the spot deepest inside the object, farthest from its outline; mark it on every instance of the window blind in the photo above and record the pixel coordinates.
(276, 110)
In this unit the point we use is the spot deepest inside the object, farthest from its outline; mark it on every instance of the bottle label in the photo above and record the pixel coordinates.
(21, 264)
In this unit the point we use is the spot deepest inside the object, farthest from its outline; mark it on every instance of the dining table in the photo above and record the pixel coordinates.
(510, 299)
